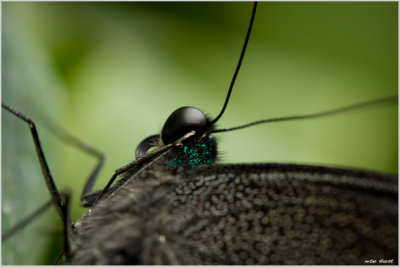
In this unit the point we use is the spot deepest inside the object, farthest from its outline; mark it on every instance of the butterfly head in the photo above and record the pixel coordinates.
(182, 121)
(197, 150)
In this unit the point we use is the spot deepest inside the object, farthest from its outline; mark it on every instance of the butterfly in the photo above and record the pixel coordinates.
(253, 149)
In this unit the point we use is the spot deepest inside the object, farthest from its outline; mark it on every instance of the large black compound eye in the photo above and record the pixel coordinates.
(182, 121)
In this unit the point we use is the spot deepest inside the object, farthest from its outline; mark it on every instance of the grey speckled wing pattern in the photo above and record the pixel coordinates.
(242, 214)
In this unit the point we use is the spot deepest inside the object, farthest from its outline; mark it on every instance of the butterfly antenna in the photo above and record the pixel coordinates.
(380, 101)
(238, 65)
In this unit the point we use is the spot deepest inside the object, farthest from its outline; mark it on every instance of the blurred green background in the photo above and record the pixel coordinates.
(111, 73)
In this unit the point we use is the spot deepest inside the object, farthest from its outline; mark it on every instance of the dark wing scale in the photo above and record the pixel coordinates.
(242, 214)
(290, 214)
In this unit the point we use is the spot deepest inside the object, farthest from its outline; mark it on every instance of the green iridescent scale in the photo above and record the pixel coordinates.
(193, 155)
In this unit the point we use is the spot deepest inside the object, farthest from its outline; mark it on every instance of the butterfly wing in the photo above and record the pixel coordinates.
(288, 214)
(243, 214)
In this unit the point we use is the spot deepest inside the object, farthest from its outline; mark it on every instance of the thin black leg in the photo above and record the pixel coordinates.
(139, 164)
(142, 163)
(55, 194)
(67, 222)
(59, 257)
(66, 137)
(87, 190)
(70, 139)
(90, 199)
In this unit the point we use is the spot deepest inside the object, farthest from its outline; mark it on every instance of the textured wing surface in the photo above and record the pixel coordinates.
(289, 214)
(243, 214)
